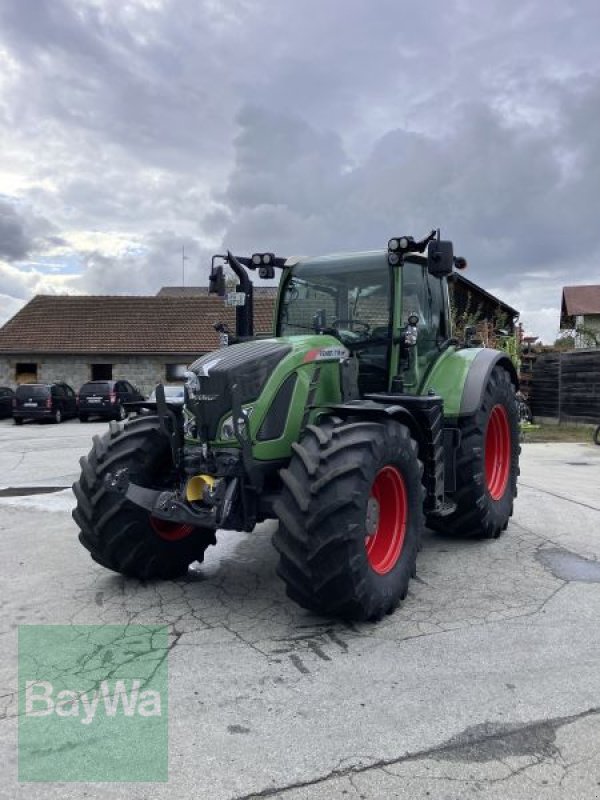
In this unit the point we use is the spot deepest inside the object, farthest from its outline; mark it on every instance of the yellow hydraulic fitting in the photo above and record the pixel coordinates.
(194, 489)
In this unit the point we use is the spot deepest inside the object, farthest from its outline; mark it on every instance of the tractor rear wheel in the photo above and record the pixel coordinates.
(487, 464)
(350, 518)
(120, 535)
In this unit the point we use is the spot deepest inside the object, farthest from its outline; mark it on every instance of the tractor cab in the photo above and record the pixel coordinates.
(391, 310)
(349, 297)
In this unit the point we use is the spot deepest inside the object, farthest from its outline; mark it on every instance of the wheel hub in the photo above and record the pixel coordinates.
(372, 516)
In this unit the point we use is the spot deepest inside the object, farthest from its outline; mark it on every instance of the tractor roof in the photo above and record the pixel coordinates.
(367, 259)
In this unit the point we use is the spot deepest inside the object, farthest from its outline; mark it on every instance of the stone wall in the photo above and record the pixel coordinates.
(143, 371)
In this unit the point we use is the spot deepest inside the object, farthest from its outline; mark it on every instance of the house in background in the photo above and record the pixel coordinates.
(470, 300)
(580, 314)
(146, 340)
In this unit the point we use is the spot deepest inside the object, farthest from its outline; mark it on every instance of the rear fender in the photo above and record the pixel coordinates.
(460, 377)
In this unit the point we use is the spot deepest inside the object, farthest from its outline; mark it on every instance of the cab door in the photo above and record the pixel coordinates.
(426, 297)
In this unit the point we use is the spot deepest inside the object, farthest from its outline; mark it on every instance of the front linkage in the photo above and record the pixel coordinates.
(206, 483)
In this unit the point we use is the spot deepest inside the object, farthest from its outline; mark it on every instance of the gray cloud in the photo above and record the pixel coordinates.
(21, 231)
(14, 242)
(157, 262)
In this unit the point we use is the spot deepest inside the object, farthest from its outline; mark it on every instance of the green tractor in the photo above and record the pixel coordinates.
(361, 421)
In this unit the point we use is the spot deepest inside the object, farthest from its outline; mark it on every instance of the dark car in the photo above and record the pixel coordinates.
(50, 401)
(6, 401)
(106, 399)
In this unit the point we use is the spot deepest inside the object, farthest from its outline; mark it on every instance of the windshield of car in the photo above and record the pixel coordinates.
(171, 393)
(348, 300)
(32, 390)
(95, 387)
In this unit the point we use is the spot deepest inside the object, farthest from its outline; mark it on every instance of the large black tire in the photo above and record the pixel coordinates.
(18, 420)
(323, 527)
(119, 534)
(484, 494)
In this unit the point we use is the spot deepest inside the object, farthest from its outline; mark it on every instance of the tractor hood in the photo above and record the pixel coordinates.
(251, 365)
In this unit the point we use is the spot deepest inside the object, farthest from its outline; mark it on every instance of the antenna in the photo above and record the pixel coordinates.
(184, 258)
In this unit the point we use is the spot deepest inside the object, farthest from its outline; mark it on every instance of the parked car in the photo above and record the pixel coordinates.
(51, 401)
(6, 401)
(173, 394)
(106, 398)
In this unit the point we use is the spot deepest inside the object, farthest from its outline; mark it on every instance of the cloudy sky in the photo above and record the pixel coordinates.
(131, 129)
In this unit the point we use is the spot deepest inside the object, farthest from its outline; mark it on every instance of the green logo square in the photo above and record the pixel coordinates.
(93, 703)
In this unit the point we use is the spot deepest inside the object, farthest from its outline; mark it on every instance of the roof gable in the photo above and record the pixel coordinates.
(580, 300)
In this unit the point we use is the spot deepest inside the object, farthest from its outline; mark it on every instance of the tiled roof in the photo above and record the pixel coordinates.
(581, 300)
(124, 324)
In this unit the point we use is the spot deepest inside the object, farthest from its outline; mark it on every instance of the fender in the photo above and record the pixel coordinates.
(477, 377)
(423, 416)
(367, 409)
(459, 375)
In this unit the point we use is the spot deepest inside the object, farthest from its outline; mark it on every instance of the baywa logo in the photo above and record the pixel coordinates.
(93, 703)
(41, 700)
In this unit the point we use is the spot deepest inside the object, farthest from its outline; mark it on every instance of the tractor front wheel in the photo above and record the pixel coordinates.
(350, 518)
(487, 464)
(120, 535)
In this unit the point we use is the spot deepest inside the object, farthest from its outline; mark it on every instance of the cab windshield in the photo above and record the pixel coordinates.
(347, 300)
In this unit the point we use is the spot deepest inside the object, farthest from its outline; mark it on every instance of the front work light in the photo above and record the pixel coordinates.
(266, 273)
(401, 243)
(263, 258)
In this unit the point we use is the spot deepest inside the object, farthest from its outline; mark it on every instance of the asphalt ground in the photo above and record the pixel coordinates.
(484, 684)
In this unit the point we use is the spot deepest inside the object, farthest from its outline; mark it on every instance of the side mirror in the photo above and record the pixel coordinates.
(216, 281)
(440, 258)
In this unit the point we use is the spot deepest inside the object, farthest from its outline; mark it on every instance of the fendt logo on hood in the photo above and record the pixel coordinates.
(208, 365)
(326, 354)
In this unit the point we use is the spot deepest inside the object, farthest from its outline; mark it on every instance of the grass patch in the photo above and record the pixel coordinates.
(559, 433)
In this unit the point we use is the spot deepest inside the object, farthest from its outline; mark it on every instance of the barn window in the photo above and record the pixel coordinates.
(26, 372)
(102, 372)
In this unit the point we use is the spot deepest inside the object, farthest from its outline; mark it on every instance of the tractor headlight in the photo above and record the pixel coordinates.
(266, 273)
(227, 429)
(399, 243)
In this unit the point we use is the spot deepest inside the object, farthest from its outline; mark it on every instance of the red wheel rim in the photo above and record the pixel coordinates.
(170, 531)
(388, 519)
(497, 452)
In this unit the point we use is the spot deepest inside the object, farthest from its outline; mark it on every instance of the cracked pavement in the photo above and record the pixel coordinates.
(485, 683)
